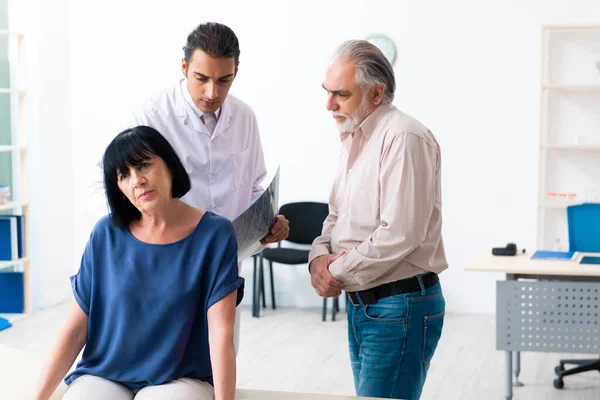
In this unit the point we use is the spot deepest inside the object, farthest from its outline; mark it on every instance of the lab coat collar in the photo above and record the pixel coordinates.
(183, 112)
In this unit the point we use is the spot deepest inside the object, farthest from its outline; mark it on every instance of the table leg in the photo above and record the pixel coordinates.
(255, 291)
(516, 368)
(508, 388)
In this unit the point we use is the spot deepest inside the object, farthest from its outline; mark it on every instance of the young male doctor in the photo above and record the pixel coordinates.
(214, 133)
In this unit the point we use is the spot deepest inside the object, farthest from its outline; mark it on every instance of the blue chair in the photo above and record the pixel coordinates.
(584, 236)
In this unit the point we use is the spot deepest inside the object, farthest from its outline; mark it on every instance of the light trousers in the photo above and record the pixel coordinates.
(90, 387)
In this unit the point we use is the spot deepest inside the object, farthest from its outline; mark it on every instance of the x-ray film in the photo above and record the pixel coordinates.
(256, 222)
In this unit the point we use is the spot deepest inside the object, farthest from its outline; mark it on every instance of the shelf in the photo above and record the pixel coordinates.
(574, 88)
(4, 32)
(571, 27)
(12, 148)
(12, 318)
(8, 264)
(573, 147)
(9, 91)
(558, 204)
(12, 204)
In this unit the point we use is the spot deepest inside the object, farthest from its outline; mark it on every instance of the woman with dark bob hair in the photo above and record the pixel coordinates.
(156, 292)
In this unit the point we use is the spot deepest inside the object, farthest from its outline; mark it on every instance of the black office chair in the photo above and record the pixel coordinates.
(584, 235)
(306, 223)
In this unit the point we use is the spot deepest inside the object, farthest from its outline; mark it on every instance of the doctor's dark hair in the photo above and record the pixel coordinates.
(216, 40)
(129, 149)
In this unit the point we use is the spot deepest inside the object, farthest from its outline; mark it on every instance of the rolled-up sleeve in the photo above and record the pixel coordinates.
(81, 283)
(407, 196)
(227, 277)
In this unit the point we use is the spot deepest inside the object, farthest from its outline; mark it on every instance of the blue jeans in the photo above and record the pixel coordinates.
(392, 342)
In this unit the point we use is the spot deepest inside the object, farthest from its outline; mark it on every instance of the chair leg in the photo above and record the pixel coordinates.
(576, 362)
(261, 279)
(590, 366)
(272, 284)
(255, 290)
(324, 309)
(335, 308)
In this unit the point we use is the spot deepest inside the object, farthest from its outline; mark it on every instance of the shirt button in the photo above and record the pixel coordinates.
(350, 170)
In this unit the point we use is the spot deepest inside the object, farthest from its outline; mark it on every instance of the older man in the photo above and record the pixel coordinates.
(382, 240)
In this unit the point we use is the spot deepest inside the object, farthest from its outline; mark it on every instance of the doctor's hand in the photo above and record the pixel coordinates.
(279, 231)
(320, 277)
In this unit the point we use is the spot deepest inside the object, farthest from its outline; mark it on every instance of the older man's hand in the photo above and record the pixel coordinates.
(279, 231)
(321, 279)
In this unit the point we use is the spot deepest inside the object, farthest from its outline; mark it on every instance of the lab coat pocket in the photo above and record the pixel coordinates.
(242, 169)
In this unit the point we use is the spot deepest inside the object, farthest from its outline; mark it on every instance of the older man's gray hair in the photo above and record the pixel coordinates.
(372, 67)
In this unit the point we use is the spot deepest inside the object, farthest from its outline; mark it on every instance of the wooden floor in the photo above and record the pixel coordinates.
(292, 350)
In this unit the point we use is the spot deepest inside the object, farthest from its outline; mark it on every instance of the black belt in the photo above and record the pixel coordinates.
(408, 285)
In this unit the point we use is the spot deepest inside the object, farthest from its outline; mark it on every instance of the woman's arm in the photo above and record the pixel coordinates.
(221, 318)
(70, 341)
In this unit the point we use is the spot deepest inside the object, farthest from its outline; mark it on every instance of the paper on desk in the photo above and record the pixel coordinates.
(256, 222)
(554, 255)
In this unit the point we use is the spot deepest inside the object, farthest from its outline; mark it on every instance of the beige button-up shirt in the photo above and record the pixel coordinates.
(385, 208)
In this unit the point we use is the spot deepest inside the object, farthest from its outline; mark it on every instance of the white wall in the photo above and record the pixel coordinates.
(467, 69)
(50, 144)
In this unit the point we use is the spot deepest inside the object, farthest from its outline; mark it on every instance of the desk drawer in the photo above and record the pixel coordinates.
(548, 316)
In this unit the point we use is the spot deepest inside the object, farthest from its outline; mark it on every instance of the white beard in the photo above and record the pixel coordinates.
(351, 122)
(349, 125)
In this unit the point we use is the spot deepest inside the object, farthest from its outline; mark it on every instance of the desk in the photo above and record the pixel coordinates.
(543, 305)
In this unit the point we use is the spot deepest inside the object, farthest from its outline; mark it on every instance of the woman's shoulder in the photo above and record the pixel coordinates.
(218, 223)
(104, 223)
(208, 221)
(104, 228)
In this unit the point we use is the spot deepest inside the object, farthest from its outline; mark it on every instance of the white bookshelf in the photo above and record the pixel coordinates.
(569, 138)
(18, 147)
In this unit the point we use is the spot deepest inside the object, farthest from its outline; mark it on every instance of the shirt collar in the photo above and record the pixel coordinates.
(370, 123)
(367, 127)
